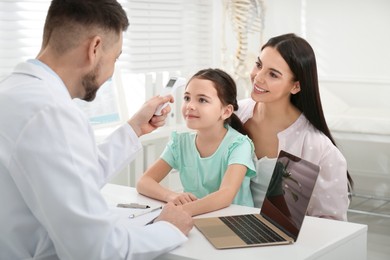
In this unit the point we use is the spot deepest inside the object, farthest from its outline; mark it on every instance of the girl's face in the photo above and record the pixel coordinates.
(272, 78)
(202, 108)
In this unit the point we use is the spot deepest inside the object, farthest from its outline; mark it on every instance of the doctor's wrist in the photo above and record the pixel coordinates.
(136, 128)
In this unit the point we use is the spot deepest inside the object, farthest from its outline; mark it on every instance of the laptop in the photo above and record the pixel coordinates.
(281, 215)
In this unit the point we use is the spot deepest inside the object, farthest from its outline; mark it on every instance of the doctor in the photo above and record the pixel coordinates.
(51, 170)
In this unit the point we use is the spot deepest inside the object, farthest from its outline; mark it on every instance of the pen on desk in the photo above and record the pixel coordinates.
(151, 222)
(144, 212)
(132, 205)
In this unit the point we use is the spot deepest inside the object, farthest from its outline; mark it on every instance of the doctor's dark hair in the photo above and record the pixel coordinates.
(67, 21)
(226, 91)
(300, 57)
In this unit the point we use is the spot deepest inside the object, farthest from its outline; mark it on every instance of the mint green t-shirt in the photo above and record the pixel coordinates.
(202, 176)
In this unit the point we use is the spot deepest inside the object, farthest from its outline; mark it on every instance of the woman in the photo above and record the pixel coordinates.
(285, 113)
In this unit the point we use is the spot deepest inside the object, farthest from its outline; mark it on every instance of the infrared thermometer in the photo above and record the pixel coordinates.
(170, 88)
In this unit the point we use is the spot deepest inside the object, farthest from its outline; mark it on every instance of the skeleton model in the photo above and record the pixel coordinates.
(246, 16)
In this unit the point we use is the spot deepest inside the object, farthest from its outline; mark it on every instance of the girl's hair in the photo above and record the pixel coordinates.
(226, 91)
(300, 57)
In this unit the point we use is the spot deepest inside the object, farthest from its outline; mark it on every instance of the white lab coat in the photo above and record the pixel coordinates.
(51, 172)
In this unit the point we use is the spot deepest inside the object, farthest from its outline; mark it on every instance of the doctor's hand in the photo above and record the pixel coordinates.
(144, 121)
(176, 216)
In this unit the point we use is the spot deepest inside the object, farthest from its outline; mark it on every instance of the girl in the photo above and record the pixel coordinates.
(215, 162)
(285, 113)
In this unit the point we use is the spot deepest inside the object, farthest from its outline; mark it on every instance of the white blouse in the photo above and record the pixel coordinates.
(259, 184)
(330, 195)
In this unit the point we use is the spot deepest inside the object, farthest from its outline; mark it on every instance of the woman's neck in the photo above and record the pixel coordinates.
(278, 115)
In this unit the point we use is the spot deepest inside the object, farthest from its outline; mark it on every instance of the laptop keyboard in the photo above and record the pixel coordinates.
(251, 230)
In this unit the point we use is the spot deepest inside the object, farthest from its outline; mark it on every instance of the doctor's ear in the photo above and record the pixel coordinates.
(296, 88)
(94, 48)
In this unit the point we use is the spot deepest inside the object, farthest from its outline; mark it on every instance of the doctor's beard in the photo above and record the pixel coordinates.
(90, 85)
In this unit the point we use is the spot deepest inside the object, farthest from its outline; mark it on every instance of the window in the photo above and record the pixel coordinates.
(21, 28)
(168, 35)
(164, 35)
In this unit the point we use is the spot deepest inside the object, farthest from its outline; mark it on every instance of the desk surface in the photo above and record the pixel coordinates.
(318, 239)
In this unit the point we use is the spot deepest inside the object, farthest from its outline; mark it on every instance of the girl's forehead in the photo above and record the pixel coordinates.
(201, 87)
(204, 84)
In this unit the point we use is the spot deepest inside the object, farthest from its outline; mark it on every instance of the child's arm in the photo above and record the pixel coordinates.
(149, 185)
(222, 198)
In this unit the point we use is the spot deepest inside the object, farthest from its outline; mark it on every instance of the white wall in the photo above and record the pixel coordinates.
(351, 41)
(350, 37)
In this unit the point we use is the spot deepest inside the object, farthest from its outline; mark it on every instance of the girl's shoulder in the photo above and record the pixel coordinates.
(235, 138)
(179, 140)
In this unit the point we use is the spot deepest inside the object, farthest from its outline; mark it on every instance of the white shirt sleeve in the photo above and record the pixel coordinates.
(58, 171)
(117, 151)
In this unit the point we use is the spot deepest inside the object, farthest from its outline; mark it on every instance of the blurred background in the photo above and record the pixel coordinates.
(167, 38)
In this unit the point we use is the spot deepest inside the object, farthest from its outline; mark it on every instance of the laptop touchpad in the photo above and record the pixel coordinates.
(218, 231)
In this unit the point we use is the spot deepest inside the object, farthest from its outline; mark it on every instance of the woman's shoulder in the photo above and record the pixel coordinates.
(311, 131)
(313, 142)
(245, 109)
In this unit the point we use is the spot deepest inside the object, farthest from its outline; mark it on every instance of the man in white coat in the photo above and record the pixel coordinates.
(51, 169)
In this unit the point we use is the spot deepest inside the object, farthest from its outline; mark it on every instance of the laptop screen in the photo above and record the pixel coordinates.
(289, 193)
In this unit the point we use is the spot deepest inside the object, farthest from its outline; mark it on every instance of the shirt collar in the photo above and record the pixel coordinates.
(48, 69)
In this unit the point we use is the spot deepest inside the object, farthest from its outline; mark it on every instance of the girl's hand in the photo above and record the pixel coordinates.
(181, 198)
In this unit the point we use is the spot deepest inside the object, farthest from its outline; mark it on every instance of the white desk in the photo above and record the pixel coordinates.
(318, 239)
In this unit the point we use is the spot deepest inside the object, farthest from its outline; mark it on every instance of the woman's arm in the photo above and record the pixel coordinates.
(330, 195)
(149, 185)
(222, 198)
